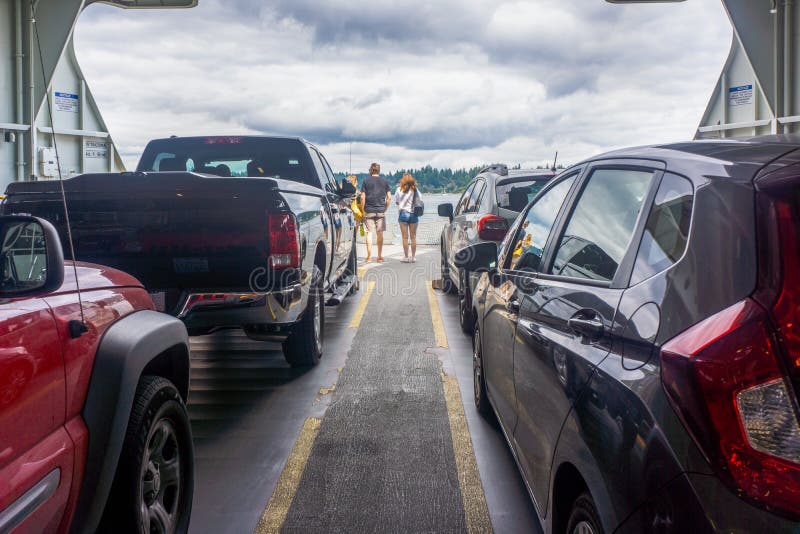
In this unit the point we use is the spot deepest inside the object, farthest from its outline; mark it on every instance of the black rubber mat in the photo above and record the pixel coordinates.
(383, 459)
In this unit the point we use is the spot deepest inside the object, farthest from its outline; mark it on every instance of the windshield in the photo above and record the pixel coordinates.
(515, 195)
(230, 156)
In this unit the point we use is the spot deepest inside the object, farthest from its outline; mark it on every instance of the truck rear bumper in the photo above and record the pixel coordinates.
(272, 313)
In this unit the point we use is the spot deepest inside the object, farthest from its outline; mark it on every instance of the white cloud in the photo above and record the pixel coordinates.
(446, 83)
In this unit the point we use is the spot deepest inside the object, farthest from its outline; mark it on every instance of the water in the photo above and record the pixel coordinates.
(430, 226)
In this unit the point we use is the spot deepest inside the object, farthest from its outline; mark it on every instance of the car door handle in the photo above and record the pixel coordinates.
(586, 323)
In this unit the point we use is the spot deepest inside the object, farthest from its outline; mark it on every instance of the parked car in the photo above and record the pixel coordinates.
(93, 385)
(637, 340)
(225, 232)
(490, 203)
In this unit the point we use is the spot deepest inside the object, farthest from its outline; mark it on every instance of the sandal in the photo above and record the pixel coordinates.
(379, 259)
(367, 260)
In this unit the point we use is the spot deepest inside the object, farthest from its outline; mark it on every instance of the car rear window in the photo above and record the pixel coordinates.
(515, 196)
(231, 156)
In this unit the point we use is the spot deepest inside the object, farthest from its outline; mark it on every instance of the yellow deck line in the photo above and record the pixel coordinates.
(436, 317)
(362, 304)
(278, 506)
(475, 510)
(361, 271)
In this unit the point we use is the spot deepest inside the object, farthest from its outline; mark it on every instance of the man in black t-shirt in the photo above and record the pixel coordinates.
(375, 197)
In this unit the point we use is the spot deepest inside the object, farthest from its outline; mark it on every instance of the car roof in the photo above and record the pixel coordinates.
(515, 175)
(248, 136)
(738, 159)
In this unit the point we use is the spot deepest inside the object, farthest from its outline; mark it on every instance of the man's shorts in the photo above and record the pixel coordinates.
(375, 222)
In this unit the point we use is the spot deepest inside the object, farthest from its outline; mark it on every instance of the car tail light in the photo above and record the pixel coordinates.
(724, 379)
(284, 241)
(492, 227)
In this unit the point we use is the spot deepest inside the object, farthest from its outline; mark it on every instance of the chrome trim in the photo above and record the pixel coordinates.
(26, 504)
(228, 300)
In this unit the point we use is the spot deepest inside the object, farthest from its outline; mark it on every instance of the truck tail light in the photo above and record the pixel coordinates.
(284, 241)
(492, 227)
(723, 378)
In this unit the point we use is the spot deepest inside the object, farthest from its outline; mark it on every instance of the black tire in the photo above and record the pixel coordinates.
(154, 483)
(584, 519)
(465, 316)
(478, 380)
(352, 268)
(303, 347)
(447, 283)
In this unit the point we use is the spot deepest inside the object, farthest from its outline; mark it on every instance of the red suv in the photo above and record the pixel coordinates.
(94, 433)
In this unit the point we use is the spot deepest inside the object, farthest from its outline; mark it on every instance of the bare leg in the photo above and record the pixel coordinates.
(380, 246)
(369, 245)
(404, 231)
(413, 231)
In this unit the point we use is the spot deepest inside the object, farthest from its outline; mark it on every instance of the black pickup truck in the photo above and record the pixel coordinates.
(224, 232)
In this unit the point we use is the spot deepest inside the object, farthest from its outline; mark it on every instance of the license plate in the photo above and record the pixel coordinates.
(159, 300)
(190, 265)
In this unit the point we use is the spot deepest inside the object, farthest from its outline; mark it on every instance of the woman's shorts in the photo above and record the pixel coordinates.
(408, 218)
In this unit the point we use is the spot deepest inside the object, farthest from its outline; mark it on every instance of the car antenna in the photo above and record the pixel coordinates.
(76, 328)
(555, 159)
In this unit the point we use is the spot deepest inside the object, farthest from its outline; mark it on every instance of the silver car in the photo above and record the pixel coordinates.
(485, 211)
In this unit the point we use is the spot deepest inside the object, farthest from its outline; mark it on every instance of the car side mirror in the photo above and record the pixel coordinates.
(446, 210)
(477, 258)
(347, 189)
(31, 257)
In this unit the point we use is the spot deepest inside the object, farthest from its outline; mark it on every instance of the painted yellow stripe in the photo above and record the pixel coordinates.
(362, 304)
(436, 317)
(278, 506)
(475, 510)
(364, 268)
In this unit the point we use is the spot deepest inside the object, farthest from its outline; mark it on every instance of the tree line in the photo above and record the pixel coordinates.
(433, 180)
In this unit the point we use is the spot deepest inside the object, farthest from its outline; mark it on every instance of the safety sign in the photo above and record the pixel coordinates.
(66, 102)
(741, 95)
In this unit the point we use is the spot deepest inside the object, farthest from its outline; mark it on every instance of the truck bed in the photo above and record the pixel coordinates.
(173, 231)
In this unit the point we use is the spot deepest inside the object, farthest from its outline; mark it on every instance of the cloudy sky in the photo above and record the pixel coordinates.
(452, 83)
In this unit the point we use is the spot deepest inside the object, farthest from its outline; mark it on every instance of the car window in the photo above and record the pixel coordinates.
(462, 202)
(328, 176)
(600, 227)
(318, 166)
(516, 195)
(667, 229)
(474, 203)
(329, 172)
(535, 228)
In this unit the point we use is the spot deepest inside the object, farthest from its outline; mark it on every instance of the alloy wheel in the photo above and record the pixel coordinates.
(160, 486)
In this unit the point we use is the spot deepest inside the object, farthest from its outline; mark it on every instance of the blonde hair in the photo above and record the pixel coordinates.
(353, 179)
(407, 182)
(375, 168)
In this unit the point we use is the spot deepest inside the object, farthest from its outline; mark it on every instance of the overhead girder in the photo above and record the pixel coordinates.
(43, 61)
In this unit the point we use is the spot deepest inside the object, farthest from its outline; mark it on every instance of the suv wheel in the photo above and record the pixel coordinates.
(447, 283)
(303, 347)
(478, 380)
(465, 315)
(153, 487)
(584, 519)
(352, 268)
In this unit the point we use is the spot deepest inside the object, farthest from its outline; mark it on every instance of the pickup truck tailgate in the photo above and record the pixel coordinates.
(173, 231)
